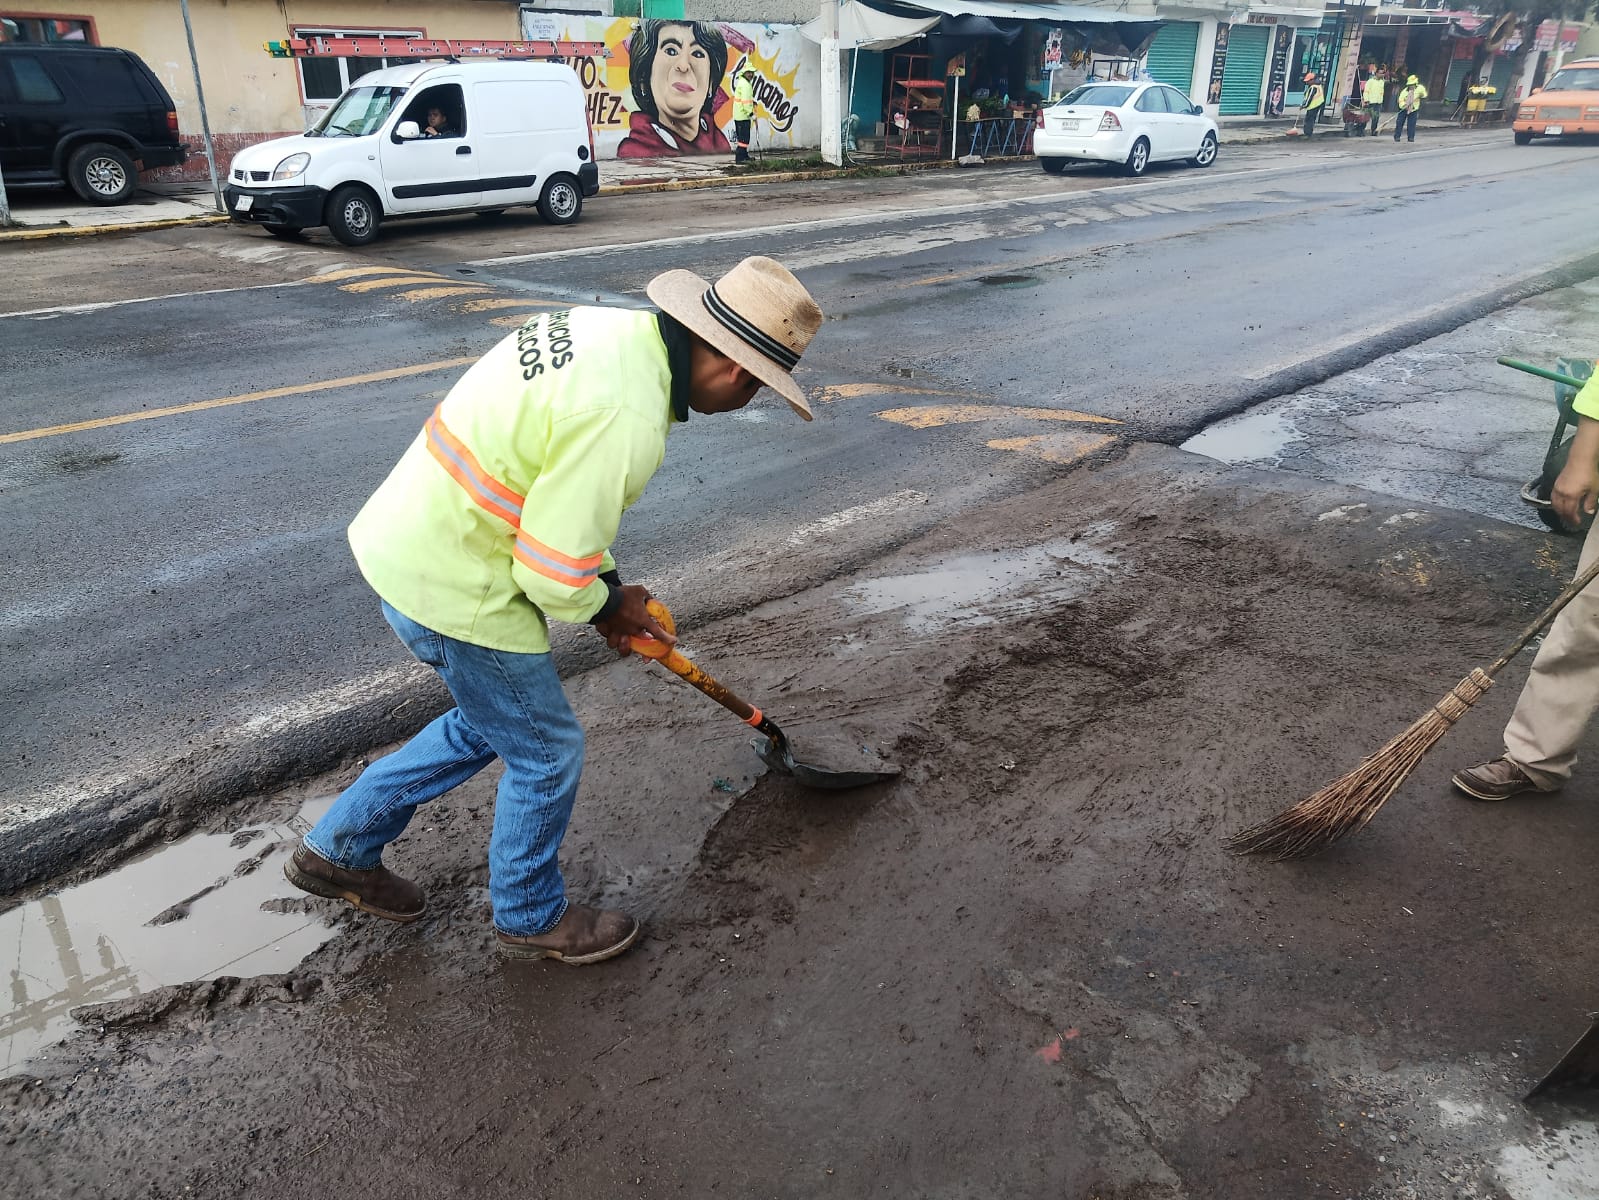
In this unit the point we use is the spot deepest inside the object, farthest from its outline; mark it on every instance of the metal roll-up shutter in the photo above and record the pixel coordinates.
(1499, 76)
(1171, 54)
(1246, 64)
(1459, 68)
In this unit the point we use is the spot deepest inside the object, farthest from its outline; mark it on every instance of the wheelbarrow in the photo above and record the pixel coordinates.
(1569, 376)
(1356, 118)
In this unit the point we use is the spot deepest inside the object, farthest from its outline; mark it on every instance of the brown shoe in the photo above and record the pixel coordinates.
(378, 890)
(1497, 780)
(583, 935)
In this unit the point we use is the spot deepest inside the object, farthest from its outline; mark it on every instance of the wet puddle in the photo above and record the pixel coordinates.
(197, 909)
(1252, 437)
(980, 589)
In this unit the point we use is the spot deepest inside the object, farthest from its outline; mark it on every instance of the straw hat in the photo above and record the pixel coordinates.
(757, 314)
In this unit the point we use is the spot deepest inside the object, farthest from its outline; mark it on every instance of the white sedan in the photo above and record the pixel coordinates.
(1130, 124)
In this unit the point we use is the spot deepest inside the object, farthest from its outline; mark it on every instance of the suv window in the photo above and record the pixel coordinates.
(33, 85)
(105, 80)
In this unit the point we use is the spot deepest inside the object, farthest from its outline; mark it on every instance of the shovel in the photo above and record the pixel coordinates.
(1579, 1067)
(774, 749)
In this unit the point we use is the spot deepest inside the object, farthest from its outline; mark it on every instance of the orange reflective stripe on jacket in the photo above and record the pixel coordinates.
(464, 468)
(489, 493)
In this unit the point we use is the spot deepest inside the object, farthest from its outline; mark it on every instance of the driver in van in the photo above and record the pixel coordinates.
(438, 124)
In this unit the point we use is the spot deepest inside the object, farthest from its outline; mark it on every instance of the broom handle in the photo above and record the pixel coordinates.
(1545, 617)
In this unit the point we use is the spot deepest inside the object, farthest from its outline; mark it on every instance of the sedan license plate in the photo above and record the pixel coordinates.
(1068, 123)
(243, 203)
(1554, 129)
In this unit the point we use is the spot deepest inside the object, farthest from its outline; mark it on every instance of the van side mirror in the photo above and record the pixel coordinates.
(407, 131)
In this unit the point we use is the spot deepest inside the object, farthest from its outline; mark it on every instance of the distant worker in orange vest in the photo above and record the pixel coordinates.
(1315, 99)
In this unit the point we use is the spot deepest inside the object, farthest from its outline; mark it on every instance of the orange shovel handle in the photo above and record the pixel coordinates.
(647, 647)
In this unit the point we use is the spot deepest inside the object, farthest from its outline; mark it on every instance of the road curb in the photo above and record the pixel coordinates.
(70, 231)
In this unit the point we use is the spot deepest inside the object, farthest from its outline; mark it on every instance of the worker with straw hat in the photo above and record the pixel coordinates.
(499, 516)
(1562, 689)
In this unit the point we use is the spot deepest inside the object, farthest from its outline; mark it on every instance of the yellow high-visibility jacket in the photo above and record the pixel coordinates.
(1411, 96)
(1374, 90)
(502, 511)
(743, 98)
(1587, 400)
(1315, 97)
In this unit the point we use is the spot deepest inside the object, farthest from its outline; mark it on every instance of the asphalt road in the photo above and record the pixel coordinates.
(179, 615)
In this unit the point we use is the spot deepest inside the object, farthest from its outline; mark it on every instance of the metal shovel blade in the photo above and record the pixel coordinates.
(861, 768)
(1578, 1068)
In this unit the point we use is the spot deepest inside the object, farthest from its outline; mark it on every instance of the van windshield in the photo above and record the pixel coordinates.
(360, 111)
(1579, 79)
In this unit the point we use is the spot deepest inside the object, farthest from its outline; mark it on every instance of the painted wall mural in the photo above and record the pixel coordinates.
(666, 88)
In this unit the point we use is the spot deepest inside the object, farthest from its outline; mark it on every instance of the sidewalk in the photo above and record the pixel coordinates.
(40, 214)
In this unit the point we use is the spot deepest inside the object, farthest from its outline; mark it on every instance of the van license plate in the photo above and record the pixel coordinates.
(244, 203)
(1554, 129)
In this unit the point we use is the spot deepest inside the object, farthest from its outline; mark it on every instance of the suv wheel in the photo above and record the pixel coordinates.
(353, 215)
(101, 173)
(561, 201)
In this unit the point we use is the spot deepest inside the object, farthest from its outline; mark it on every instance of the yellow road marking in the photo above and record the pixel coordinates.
(477, 306)
(356, 272)
(270, 394)
(1055, 447)
(934, 416)
(853, 391)
(439, 293)
(372, 285)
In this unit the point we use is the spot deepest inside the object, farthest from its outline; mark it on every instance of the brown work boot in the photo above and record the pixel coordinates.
(1496, 780)
(377, 890)
(583, 935)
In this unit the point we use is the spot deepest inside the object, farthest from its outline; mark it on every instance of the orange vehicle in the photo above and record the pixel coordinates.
(1568, 103)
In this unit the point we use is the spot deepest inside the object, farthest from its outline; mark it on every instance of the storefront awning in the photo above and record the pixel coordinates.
(1054, 14)
(863, 28)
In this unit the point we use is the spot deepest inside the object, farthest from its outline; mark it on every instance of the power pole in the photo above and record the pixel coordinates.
(832, 87)
(5, 204)
(205, 121)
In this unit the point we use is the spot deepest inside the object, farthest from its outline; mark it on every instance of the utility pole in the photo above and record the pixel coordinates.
(832, 87)
(5, 205)
(205, 121)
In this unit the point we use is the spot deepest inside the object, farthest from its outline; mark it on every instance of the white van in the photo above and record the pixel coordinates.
(501, 133)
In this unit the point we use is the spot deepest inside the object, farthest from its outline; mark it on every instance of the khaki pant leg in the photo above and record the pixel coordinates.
(1562, 691)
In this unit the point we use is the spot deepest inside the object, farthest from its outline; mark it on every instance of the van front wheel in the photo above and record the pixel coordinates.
(353, 215)
(561, 201)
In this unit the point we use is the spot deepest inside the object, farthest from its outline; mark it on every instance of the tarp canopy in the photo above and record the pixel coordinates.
(863, 28)
(1104, 31)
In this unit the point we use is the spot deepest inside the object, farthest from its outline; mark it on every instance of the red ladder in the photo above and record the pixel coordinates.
(405, 47)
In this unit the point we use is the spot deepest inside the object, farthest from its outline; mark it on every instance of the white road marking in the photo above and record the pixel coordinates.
(303, 710)
(65, 309)
(882, 507)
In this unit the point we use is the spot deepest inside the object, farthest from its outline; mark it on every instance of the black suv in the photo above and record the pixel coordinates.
(83, 115)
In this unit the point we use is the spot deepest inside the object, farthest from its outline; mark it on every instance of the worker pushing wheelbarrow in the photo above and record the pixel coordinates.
(1568, 377)
(1355, 116)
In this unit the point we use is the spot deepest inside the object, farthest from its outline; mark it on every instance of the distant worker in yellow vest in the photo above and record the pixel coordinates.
(499, 517)
(1315, 100)
(743, 112)
(1410, 98)
(1371, 97)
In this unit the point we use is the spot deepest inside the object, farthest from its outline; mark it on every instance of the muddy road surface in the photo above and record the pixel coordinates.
(1027, 968)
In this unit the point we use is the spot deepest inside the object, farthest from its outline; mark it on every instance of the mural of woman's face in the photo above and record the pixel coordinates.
(680, 79)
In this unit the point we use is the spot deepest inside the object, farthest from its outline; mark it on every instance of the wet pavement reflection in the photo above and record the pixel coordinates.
(205, 906)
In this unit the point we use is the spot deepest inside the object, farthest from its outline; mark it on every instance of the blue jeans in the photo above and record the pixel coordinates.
(508, 706)
(1399, 125)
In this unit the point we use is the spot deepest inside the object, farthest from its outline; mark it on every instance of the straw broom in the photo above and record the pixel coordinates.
(1345, 805)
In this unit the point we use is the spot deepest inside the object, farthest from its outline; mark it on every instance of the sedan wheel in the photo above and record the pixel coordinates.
(1207, 152)
(1138, 158)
